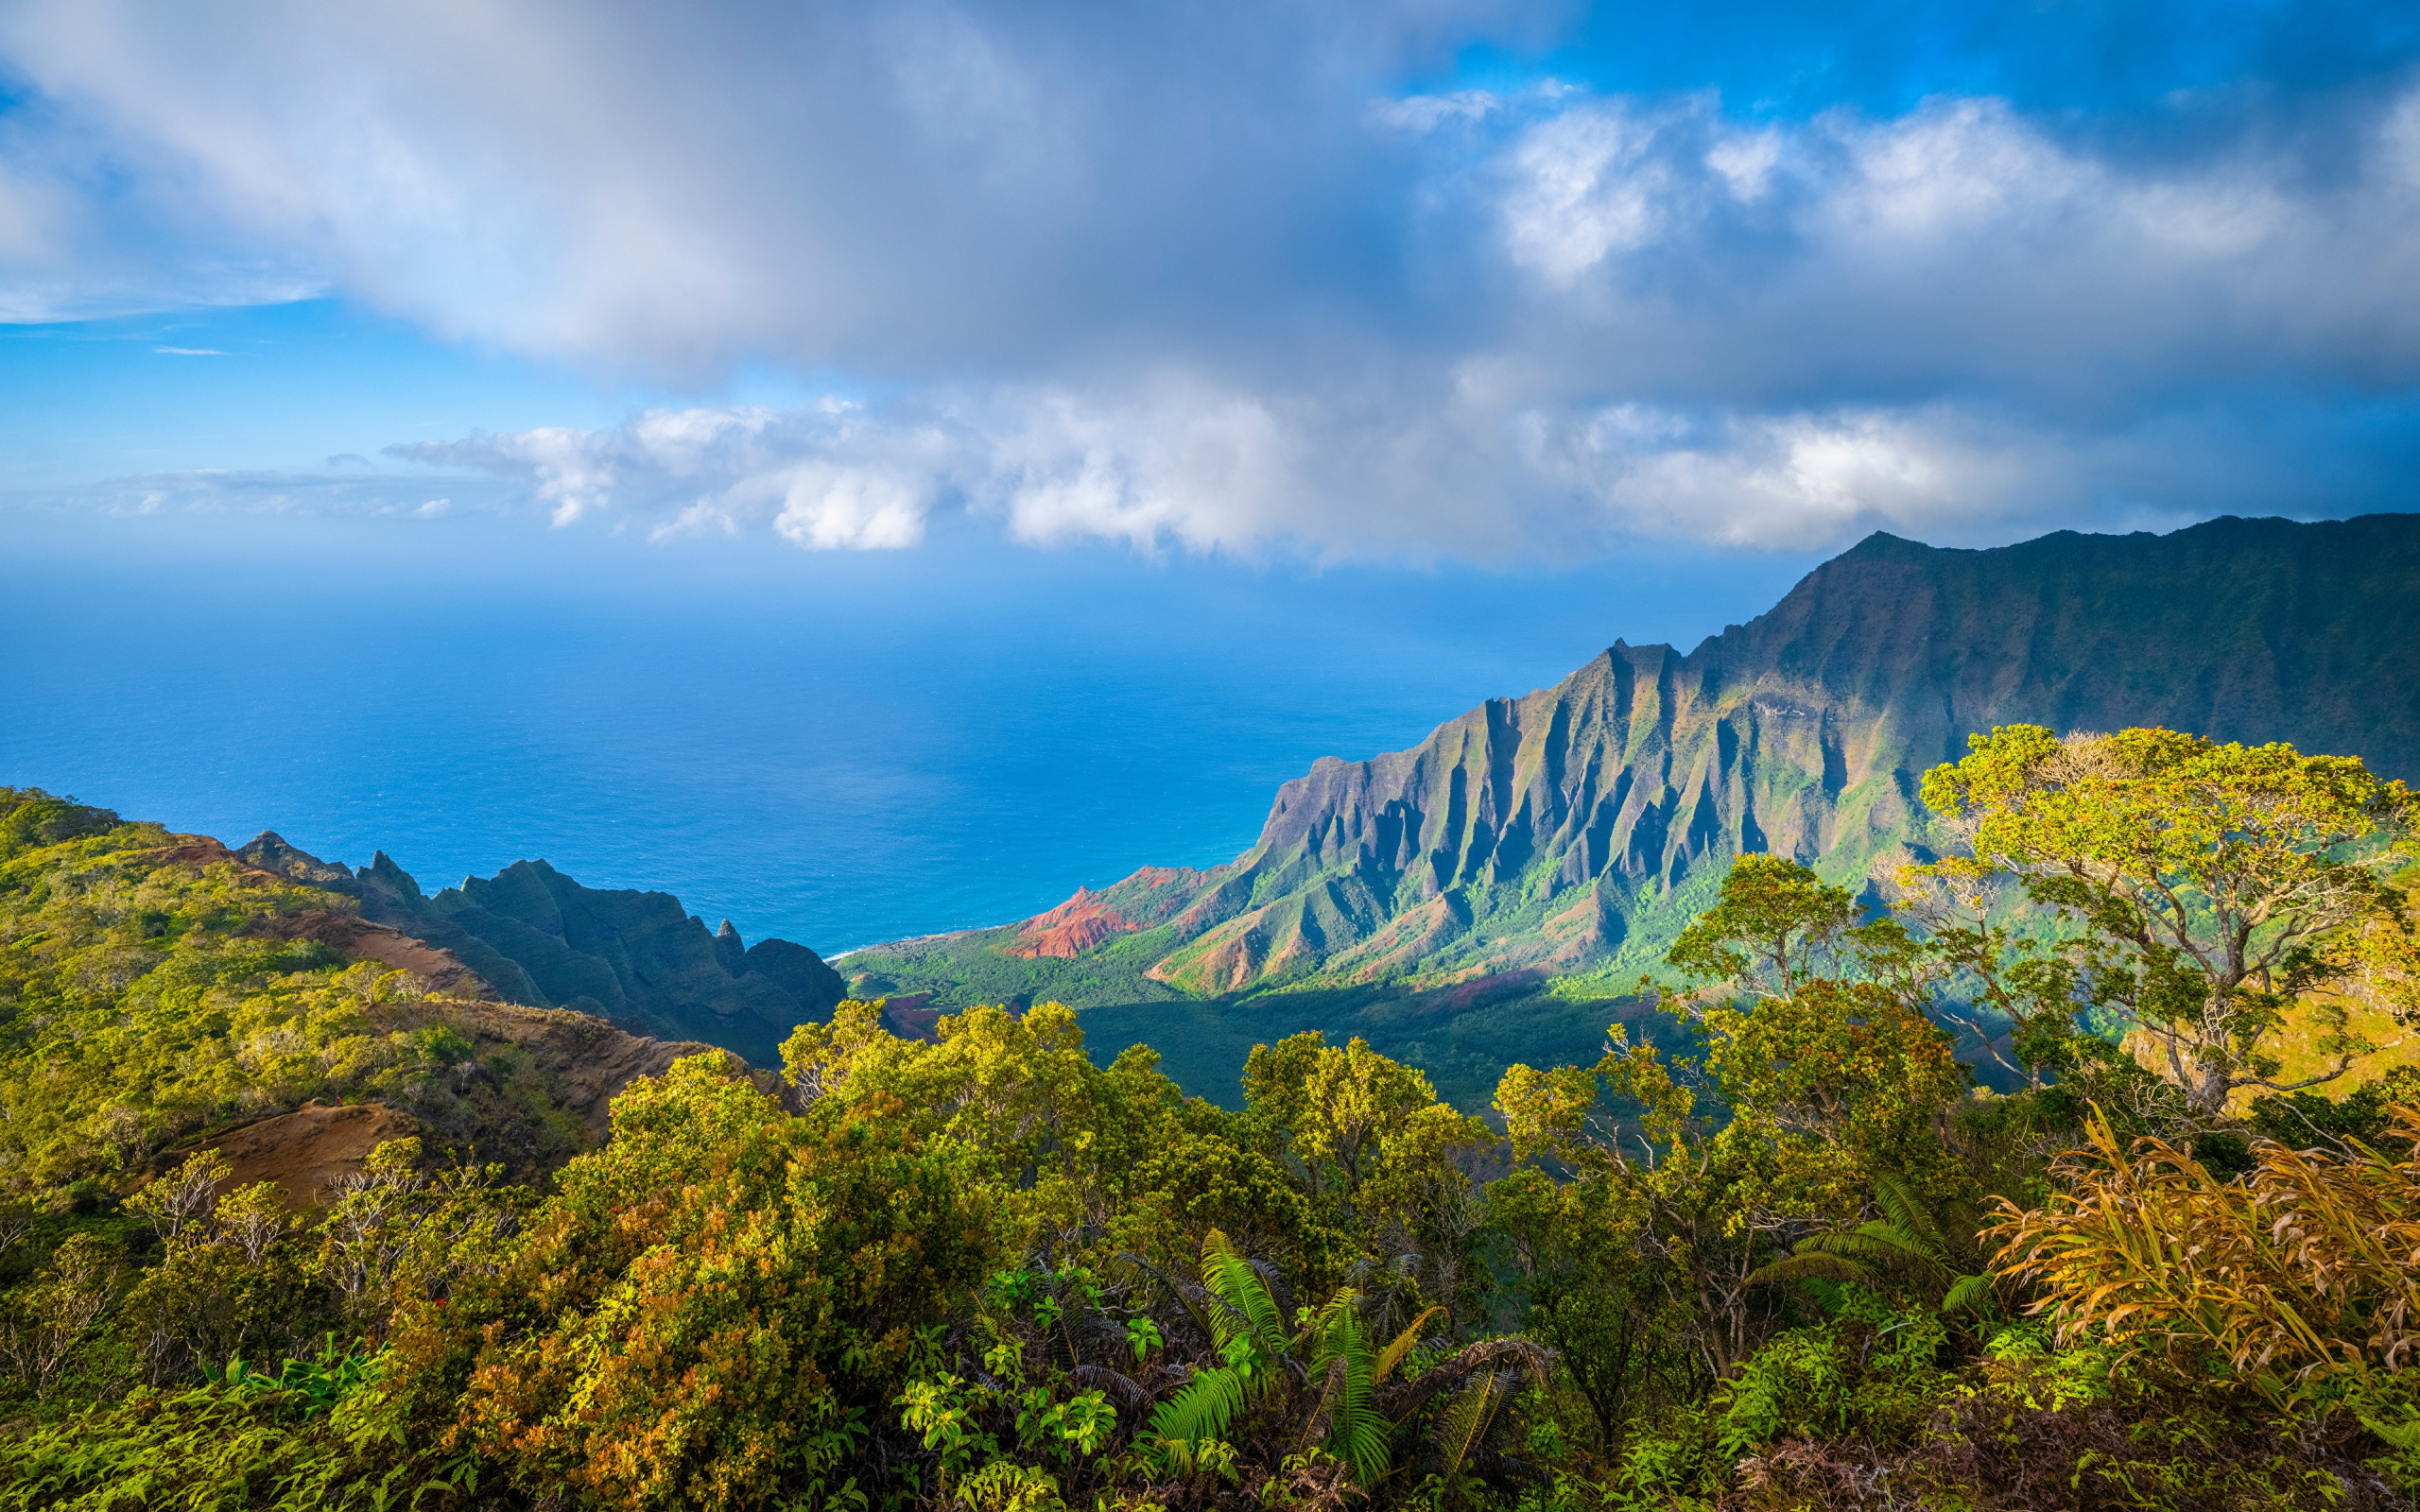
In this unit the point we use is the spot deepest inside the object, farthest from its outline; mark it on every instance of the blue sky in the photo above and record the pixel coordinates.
(1519, 286)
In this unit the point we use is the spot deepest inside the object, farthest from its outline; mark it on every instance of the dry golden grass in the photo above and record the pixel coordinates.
(2309, 1270)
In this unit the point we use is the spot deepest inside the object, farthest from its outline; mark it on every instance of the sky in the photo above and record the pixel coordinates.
(1421, 286)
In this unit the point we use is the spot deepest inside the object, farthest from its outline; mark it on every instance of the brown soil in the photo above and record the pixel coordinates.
(589, 1059)
(444, 972)
(586, 1060)
(307, 1150)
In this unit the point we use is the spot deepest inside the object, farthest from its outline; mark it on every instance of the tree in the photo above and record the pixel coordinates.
(1823, 1071)
(184, 1199)
(1593, 1292)
(1379, 1154)
(2210, 886)
(713, 1306)
(46, 1324)
(1337, 1104)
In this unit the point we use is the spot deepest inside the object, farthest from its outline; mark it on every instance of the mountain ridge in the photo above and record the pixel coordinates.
(1574, 829)
(636, 958)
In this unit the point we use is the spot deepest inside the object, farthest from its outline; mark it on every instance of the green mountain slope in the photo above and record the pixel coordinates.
(158, 990)
(1571, 832)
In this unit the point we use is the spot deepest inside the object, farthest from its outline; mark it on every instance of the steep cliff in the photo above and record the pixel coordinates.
(540, 939)
(1574, 830)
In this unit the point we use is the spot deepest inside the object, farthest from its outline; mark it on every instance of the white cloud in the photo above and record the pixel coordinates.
(261, 492)
(1169, 277)
(827, 507)
(1585, 185)
(1337, 475)
(1793, 480)
(823, 477)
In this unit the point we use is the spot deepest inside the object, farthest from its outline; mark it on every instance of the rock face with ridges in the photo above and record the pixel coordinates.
(1070, 930)
(540, 939)
(1579, 826)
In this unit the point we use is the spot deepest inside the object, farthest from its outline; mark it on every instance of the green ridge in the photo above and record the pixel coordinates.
(1545, 850)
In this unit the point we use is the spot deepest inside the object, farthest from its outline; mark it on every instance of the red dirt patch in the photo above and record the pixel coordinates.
(305, 1150)
(1067, 931)
(910, 1017)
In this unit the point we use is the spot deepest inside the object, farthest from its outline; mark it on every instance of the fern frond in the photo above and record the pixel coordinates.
(1366, 1443)
(1851, 1245)
(1392, 1355)
(1908, 1215)
(1969, 1294)
(1232, 1280)
(1353, 1430)
(1463, 1425)
(1813, 1264)
(1877, 1243)
(1205, 1406)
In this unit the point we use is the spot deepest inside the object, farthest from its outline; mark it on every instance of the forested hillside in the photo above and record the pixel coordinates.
(1573, 832)
(1794, 1260)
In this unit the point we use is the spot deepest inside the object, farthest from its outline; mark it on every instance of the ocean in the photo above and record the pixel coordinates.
(837, 749)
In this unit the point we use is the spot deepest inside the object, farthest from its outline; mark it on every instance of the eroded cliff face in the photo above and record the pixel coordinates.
(1577, 828)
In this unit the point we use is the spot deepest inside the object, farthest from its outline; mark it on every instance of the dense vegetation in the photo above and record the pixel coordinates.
(155, 990)
(1789, 1256)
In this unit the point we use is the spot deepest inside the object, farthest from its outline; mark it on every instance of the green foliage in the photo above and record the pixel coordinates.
(31, 819)
(714, 1305)
(1929, 1250)
(317, 1384)
(2212, 886)
(193, 1450)
(1735, 1263)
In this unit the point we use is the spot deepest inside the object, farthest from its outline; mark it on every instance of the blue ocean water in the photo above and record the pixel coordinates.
(835, 750)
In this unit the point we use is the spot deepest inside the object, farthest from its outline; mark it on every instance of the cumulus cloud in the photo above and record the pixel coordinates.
(1206, 279)
(1344, 476)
